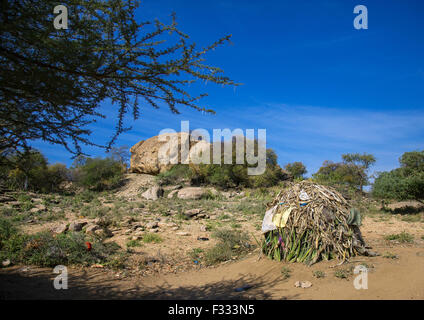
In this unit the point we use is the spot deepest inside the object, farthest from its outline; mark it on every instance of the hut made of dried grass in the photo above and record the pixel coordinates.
(308, 222)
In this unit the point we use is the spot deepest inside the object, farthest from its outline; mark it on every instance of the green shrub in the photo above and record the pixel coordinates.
(44, 249)
(177, 174)
(152, 237)
(397, 185)
(133, 243)
(100, 174)
(406, 182)
(230, 243)
(30, 171)
(225, 175)
(286, 272)
(318, 274)
(7, 230)
(403, 237)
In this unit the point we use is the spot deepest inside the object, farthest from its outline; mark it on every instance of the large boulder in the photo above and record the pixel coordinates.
(192, 193)
(146, 158)
(153, 193)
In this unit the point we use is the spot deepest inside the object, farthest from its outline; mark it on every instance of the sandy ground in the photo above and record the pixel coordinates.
(401, 278)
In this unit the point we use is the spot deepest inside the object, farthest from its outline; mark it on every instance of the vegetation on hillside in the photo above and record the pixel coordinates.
(406, 182)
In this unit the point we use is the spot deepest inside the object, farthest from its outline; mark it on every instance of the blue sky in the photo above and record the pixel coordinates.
(320, 87)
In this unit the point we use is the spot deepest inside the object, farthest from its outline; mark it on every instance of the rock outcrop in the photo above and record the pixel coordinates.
(147, 158)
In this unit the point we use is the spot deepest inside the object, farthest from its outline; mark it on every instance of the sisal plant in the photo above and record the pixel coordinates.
(308, 222)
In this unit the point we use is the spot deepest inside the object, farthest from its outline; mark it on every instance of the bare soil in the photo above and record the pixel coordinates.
(388, 278)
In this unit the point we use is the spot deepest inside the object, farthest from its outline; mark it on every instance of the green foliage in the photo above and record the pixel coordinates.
(412, 162)
(296, 169)
(52, 81)
(100, 174)
(196, 253)
(390, 255)
(7, 230)
(342, 273)
(230, 243)
(286, 272)
(318, 274)
(403, 237)
(45, 249)
(406, 182)
(352, 172)
(177, 174)
(134, 243)
(225, 175)
(152, 237)
(29, 170)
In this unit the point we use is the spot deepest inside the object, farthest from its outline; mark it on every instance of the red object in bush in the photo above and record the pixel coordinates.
(88, 245)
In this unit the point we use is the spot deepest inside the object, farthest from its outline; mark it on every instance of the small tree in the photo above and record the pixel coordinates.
(296, 169)
(29, 170)
(359, 165)
(406, 182)
(100, 174)
(352, 172)
(412, 161)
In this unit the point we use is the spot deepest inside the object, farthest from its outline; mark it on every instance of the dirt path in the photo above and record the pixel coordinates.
(401, 278)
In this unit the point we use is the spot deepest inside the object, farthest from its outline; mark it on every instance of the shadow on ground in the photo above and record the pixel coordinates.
(38, 284)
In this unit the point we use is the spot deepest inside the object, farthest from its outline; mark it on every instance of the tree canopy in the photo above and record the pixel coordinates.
(52, 81)
(352, 171)
(406, 182)
(297, 169)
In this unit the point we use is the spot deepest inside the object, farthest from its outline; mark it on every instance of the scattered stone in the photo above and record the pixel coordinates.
(38, 208)
(173, 188)
(128, 231)
(175, 228)
(128, 221)
(152, 225)
(202, 238)
(154, 230)
(202, 216)
(60, 228)
(14, 204)
(192, 212)
(6, 263)
(56, 209)
(172, 194)
(134, 238)
(138, 226)
(203, 228)
(91, 228)
(192, 193)
(303, 284)
(182, 233)
(153, 193)
(77, 226)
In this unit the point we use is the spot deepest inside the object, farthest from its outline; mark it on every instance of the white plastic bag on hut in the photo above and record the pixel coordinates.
(267, 224)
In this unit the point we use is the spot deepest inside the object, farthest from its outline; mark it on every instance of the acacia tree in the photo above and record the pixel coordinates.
(359, 165)
(353, 171)
(297, 169)
(52, 81)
